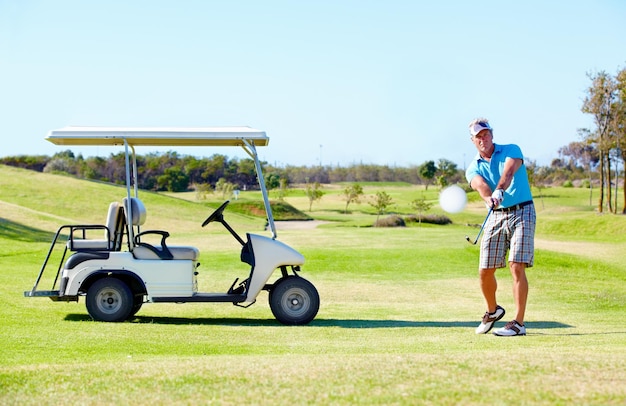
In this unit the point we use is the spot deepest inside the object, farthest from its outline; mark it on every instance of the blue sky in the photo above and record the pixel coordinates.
(338, 82)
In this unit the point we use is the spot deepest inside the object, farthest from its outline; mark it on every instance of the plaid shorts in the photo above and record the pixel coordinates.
(512, 231)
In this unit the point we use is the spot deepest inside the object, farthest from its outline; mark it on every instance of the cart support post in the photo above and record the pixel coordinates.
(251, 150)
(128, 211)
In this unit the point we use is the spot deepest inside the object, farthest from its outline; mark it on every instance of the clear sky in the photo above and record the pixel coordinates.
(338, 82)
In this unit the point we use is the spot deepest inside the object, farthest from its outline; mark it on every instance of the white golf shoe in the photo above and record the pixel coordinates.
(512, 328)
(489, 319)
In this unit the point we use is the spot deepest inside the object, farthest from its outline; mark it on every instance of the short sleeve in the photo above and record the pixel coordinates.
(471, 171)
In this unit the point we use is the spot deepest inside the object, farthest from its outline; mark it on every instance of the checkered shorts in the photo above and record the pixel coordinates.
(512, 231)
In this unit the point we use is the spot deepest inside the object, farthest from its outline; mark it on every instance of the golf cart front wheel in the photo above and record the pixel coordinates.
(294, 300)
(109, 299)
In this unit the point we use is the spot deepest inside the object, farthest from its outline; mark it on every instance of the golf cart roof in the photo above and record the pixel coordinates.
(158, 136)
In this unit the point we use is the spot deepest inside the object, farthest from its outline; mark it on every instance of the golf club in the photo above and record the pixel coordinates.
(481, 229)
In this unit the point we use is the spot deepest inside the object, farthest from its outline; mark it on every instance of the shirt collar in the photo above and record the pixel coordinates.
(496, 148)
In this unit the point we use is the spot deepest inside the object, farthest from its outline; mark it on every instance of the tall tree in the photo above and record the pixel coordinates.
(599, 102)
(620, 122)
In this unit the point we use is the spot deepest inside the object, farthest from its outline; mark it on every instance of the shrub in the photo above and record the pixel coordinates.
(568, 183)
(391, 221)
(429, 218)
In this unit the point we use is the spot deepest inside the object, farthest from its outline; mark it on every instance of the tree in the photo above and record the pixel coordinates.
(224, 187)
(536, 177)
(283, 188)
(173, 180)
(352, 194)
(63, 161)
(599, 102)
(620, 121)
(202, 190)
(381, 202)
(421, 205)
(245, 173)
(193, 168)
(427, 171)
(584, 154)
(313, 193)
(445, 169)
(215, 168)
(272, 180)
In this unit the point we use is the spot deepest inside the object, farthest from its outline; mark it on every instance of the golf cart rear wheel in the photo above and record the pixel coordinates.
(109, 299)
(294, 300)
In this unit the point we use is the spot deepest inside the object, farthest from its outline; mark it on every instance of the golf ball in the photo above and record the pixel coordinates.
(453, 199)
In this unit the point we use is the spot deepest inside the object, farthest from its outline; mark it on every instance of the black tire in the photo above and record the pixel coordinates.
(294, 300)
(109, 299)
(137, 303)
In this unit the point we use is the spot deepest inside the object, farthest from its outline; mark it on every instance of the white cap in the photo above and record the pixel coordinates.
(478, 126)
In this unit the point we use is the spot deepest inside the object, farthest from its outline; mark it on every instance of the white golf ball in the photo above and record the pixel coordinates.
(453, 199)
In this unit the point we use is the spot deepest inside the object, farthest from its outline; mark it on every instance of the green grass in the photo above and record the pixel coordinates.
(395, 326)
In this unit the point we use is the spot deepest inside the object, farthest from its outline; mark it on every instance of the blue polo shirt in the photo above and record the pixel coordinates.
(519, 190)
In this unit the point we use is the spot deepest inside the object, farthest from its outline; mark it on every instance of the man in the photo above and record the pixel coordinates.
(499, 176)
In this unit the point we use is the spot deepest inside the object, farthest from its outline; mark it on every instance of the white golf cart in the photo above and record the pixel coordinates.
(116, 278)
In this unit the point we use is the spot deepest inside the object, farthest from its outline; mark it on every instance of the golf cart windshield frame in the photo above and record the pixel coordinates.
(130, 137)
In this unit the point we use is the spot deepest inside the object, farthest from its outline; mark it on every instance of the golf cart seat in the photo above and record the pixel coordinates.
(112, 233)
(144, 250)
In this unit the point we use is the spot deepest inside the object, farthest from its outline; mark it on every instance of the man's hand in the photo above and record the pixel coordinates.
(496, 198)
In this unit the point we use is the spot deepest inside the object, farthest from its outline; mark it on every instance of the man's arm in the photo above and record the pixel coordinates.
(478, 182)
(510, 167)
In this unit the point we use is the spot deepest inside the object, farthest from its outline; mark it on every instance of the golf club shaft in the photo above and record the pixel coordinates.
(483, 226)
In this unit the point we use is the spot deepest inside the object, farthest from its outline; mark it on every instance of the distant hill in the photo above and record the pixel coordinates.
(45, 201)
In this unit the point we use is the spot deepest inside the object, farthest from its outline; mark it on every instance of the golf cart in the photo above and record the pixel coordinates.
(119, 272)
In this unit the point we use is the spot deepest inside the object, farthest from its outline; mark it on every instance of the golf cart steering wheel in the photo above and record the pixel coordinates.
(217, 214)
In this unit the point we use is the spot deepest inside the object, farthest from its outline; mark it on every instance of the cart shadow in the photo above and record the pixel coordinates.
(319, 322)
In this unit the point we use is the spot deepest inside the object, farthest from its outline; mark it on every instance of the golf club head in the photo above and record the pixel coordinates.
(481, 229)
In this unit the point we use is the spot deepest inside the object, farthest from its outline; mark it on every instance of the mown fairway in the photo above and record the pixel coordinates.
(396, 323)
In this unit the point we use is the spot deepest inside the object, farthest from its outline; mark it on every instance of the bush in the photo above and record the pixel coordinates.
(391, 221)
(568, 183)
(429, 218)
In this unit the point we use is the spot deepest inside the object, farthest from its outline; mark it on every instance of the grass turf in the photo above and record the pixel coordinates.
(395, 326)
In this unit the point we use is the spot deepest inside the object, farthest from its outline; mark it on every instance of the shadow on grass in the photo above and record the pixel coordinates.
(343, 323)
(348, 323)
(20, 232)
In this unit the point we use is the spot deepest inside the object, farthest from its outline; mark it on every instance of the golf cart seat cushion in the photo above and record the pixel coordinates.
(178, 252)
(138, 211)
(109, 236)
(140, 251)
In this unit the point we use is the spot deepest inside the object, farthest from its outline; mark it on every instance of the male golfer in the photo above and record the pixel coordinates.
(498, 174)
